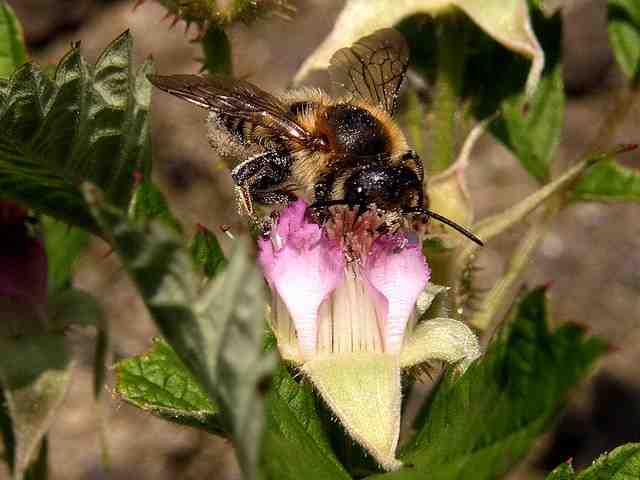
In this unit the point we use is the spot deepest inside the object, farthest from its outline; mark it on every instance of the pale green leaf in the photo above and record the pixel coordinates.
(13, 52)
(35, 372)
(624, 35)
(64, 245)
(609, 181)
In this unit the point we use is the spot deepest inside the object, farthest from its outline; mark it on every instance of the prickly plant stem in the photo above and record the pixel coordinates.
(501, 294)
(450, 69)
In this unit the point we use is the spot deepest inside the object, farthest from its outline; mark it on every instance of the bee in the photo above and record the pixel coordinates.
(330, 150)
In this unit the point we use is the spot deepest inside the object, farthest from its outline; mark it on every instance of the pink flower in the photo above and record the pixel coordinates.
(344, 309)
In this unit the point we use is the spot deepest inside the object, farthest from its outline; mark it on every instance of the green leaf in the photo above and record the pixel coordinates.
(217, 51)
(216, 330)
(609, 181)
(482, 424)
(12, 50)
(148, 203)
(563, 472)
(624, 35)
(206, 252)
(64, 245)
(35, 372)
(623, 463)
(160, 383)
(529, 127)
(88, 123)
(295, 445)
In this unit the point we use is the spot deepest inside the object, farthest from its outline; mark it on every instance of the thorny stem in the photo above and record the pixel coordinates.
(497, 299)
(450, 43)
(500, 295)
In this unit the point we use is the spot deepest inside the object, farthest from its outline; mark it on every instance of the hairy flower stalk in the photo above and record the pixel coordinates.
(345, 298)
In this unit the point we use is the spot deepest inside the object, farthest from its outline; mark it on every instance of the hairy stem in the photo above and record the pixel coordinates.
(449, 73)
(499, 298)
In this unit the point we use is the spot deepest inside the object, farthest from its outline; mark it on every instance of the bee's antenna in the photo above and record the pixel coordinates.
(453, 225)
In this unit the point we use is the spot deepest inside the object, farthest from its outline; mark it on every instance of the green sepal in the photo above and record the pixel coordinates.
(481, 424)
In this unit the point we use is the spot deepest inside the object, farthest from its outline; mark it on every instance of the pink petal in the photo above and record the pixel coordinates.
(303, 266)
(398, 272)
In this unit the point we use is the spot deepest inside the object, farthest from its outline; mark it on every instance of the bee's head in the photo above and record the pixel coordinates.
(389, 187)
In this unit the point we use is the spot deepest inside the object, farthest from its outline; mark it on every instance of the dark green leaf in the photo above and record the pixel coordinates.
(217, 51)
(482, 424)
(35, 373)
(529, 127)
(624, 35)
(623, 463)
(64, 244)
(89, 123)
(216, 330)
(295, 445)
(563, 472)
(12, 50)
(148, 203)
(609, 181)
(206, 252)
(160, 383)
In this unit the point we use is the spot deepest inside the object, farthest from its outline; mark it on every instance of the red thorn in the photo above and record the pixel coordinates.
(569, 461)
(138, 3)
(548, 284)
(628, 147)
(201, 227)
(613, 349)
(137, 177)
(175, 20)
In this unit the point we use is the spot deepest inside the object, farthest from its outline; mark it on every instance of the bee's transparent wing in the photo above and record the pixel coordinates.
(231, 97)
(373, 68)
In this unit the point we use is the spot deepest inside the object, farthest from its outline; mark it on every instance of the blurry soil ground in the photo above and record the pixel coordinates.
(591, 256)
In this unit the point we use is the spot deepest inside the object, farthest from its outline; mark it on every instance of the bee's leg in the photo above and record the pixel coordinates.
(261, 172)
(322, 197)
(274, 197)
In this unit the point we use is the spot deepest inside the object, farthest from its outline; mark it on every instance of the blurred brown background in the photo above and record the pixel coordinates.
(592, 255)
